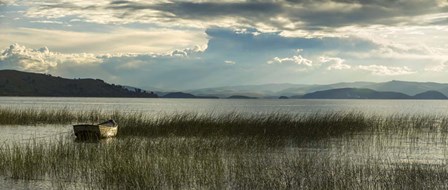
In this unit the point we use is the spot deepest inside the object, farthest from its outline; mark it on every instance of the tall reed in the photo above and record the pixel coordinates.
(192, 124)
(207, 163)
(233, 151)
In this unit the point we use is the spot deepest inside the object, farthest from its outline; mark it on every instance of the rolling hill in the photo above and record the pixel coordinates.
(185, 95)
(17, 83)
(364, 93)
(298, 90)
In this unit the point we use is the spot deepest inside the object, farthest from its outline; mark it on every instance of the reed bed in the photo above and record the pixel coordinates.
(234, 151)
(206, 163)
(298, 126)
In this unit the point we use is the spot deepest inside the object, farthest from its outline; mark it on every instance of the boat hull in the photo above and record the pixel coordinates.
(95, 131)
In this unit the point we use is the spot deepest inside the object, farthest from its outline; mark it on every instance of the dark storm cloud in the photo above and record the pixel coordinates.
(252, 11)
(3, 2)
(362, 12)
(68, 6)
(277, 15)
(204, 10)
(316, 14)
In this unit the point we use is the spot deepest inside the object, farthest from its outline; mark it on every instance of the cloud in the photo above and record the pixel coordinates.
(188, 51)
(40, 60)
(382, 70)
(7, 2)
(116, 40)
(296, 59)
(229, 62)
(43, 60)
(337, 63)
(180, 53)
(440, 67)
(278, 15)
(47, 22)
(399, 42)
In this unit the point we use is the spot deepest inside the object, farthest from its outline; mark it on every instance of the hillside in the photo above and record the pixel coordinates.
(354, 93)
(298, 90)
(244, 90)
(241, 97)
(430, 95)
(301, 90)
(185, 95)
(17, 83)
(410, 88)
(364, 93)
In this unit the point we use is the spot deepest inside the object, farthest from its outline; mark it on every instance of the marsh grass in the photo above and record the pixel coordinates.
(207, 163)
(234, 151)
(299, 126)
(193, 124)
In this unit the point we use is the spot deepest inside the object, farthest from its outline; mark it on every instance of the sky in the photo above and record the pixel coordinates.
(180, 44)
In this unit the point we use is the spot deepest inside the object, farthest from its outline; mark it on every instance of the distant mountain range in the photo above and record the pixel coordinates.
(299, 90)
(185, 95)
(364, 93)
(17, 83)
(259, 91)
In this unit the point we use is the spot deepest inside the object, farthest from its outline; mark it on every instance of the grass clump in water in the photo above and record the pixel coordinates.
(275, 125)
(191, 124)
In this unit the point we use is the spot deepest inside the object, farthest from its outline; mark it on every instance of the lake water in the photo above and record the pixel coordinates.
(291, 106)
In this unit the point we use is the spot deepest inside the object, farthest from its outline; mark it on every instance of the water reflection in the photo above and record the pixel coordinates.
(169, 106)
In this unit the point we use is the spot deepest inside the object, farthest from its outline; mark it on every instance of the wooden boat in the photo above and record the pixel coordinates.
(102, 130)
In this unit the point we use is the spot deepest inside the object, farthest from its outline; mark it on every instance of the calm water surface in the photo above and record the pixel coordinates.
(22, 134)
(161, 106)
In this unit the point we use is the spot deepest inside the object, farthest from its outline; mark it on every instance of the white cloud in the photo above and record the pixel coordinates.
(43, 60)
(119, 40)
(337, 63)
(188, 51)
(296, 59)
(47, 22)
(40, 60)
(245, 31)
(382, 70)
(402, 42)
(230, 62)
